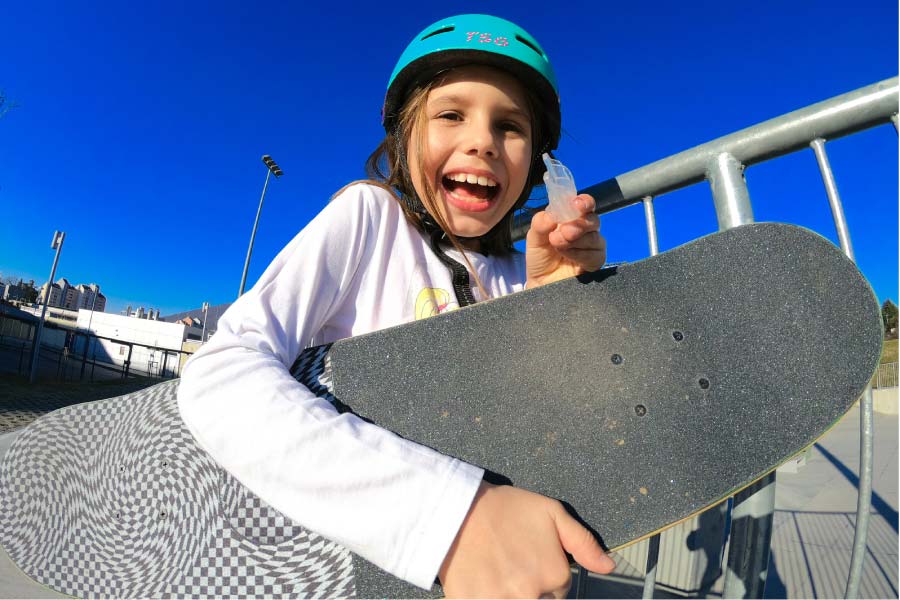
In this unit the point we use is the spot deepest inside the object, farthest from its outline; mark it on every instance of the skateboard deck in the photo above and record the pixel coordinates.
(638, 395)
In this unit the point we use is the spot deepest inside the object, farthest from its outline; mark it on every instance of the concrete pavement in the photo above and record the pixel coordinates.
(813, 526)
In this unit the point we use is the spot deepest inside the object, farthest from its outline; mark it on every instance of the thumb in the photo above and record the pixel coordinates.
(582, 545)
(541, 226)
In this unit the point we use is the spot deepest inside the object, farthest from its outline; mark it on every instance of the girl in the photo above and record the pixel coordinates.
(470, 108)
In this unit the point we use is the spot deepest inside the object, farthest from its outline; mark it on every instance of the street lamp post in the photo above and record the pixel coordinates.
(205, 316)
(273, 169)
(87, 337)
(58, 237)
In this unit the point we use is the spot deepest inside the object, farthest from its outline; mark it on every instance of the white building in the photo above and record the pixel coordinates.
(153, 345)
(53, 312)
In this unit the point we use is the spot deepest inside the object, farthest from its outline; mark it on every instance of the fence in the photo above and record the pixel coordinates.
(721, 162)
(885, 376)
(69, 355)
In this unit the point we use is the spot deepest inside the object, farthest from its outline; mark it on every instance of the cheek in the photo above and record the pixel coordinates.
(423, 159)
(520, 164)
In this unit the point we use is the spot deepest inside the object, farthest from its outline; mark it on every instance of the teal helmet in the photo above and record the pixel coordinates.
(475, 39)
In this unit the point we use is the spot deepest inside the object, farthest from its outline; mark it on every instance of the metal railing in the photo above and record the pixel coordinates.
(885, 376)
(721, 162)
(80, 354)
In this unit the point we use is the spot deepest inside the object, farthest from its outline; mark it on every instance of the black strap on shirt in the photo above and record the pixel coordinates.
(458, 272)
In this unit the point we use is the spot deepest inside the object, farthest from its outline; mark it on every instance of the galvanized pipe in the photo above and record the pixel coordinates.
(830, 119)
(837, 208)
(751, 529)
(650, 217)
(866, 442)
(839, 116)
(652, 560)
(726, 178)
(866, 433)
(653, 548)
(864, 497)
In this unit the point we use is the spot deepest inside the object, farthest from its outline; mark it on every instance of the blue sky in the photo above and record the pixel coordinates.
(139, 127)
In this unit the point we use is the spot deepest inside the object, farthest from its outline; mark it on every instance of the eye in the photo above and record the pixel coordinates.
(512, 127)
(450, 115)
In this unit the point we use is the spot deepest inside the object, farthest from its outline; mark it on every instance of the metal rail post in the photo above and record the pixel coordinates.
(653, 548)
(726, 178)
(650, 217)
(650, 571)
(751, 529)
(834, 199)
(127, 365)
(866, 431)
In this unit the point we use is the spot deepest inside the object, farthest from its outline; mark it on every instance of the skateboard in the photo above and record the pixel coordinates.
(638, 395)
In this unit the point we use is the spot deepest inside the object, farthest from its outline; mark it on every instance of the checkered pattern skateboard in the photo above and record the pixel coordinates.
(639, 395)
(114, 499)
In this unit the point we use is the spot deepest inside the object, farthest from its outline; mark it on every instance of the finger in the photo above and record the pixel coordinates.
(585, 203)
(586, 260)
(573, 229)
(590, 239)
(581, 544)
(542, 224)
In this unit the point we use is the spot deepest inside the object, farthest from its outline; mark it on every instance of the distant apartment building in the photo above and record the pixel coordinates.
(90, 298)
(50, 294)
(62, 294)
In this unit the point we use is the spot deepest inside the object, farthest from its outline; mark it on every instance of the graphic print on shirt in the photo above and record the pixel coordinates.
(434, 301)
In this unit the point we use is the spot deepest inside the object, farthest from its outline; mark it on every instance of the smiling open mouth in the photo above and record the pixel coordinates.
(471, 188)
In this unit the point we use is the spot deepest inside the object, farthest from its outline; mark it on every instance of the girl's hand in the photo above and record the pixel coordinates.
(554, 251)
(512, 544)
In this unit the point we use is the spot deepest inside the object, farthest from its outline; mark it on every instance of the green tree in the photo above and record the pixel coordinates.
(889, 316)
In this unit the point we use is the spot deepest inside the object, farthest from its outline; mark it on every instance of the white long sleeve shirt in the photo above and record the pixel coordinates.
(358, 267)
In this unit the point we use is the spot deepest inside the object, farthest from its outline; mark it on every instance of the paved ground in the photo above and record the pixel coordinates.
(813, 524)
(21, 402)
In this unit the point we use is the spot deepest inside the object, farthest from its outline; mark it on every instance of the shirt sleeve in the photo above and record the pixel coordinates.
(393, 502)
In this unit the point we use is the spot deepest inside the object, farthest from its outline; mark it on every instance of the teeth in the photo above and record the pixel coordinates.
(471, 178)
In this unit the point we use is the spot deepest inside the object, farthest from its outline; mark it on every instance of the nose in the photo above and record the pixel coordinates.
(480, 140)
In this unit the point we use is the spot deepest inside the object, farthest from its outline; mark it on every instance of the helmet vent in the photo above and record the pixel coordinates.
(441, 30)
(530, 45)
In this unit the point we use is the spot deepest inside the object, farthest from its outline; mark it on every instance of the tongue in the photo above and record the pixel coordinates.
(472, 190)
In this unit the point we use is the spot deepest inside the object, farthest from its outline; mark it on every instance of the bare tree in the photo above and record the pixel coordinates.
(6, 104)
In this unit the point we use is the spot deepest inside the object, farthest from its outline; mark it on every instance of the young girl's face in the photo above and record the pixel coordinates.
(476, 147)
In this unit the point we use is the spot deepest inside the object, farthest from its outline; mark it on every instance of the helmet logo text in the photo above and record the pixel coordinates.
(485, 38)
